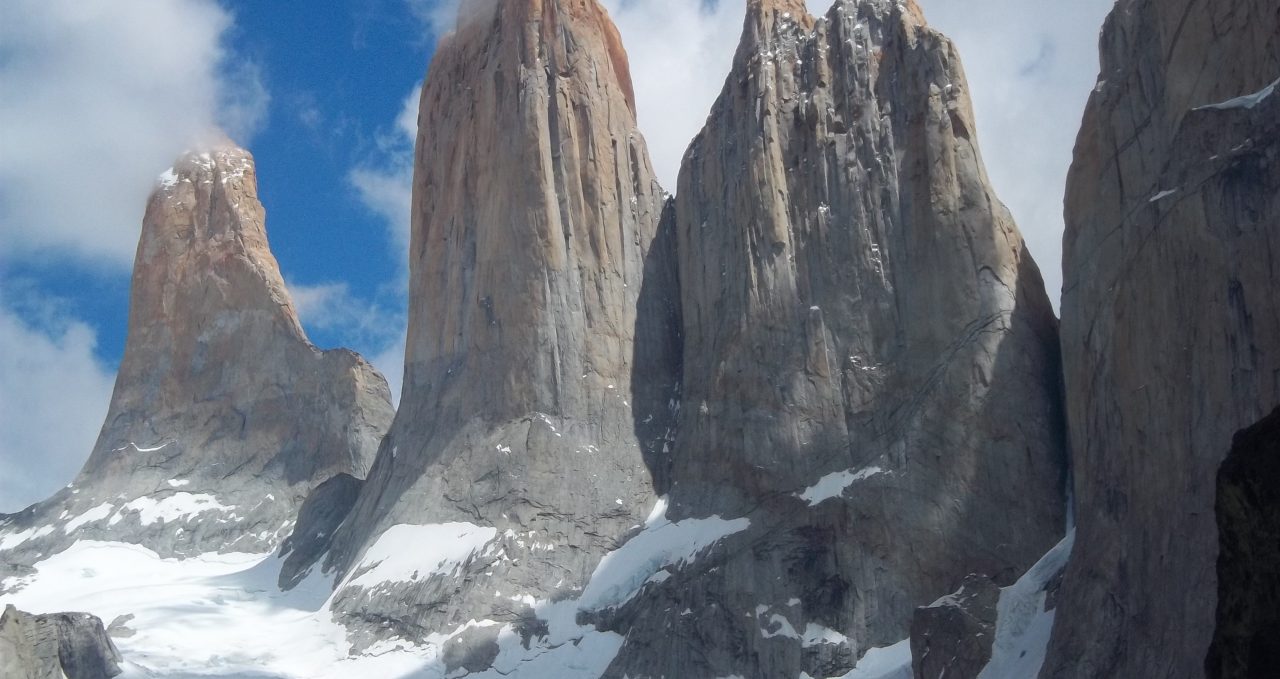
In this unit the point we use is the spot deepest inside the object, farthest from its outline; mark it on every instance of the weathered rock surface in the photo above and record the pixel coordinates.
(55, 646)
(1170, 322)
(871, 369)
(952, 636)
(520, 426)
(224, 415)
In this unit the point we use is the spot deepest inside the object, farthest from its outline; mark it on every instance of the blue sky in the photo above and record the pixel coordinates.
(101, 95)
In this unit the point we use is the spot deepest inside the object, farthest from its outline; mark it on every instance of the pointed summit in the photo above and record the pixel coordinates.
(870, 358)
(535, 208)
(224, 415)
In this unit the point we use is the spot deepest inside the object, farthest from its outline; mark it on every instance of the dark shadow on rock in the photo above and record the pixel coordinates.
(322, 512)
(1246, 640)
(657, 354)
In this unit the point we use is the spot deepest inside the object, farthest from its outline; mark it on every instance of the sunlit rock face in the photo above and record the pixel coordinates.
(870, 358)
(532, 411)
(1170, 322)
(224, 415)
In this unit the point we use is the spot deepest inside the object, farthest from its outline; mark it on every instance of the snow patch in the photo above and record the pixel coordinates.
(1022, 624)
(167, 179)
(622, 572)
(171, 508)
(1246, 102)
(98, 513)
(834, 484)
(888, 662)
(405, 552)
(1163, 194)
(14, 539)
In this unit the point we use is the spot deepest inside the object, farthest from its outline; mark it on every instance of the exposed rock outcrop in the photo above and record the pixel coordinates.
(871, 371)
(55, 646)
(1170, 322)
(952, 636)
(520, 432)
(224, 415)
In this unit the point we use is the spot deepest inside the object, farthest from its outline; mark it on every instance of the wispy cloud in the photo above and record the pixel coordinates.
(99, 98)
(53, 397)
(384, 180)
(384, 184)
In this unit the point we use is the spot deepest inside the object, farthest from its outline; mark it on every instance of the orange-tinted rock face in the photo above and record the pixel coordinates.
(224, 416)
(534, 210)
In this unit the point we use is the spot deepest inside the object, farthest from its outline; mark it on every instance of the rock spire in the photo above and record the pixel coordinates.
(224, 415)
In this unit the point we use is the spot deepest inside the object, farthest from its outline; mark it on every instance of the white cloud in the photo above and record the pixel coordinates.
(99, 98)
(437, 16)
(384, 182)
(53, 397)
(680, 53)
(374, 330)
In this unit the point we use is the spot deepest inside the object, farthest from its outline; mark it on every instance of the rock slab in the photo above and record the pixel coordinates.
(55, 646)
(870, 360)
(1170, 322)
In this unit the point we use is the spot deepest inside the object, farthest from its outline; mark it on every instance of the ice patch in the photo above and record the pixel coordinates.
(622, 572)
(834, 484)
(1246, 102)
(1023, 625)
(888, 662)
(168, 179)
(404, 552)
(171, 508)
(98, 513)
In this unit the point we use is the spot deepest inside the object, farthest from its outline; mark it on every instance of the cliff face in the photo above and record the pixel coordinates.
(1170, 322)
(534, 209)
(870, 359)
(224, 416)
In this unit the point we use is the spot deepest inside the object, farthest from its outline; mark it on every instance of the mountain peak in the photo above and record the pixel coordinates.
(224, 415)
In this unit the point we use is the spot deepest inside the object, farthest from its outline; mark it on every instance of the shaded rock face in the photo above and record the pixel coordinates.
(318, 519)
(952, 636)
(224, 416)
(1170, 322)
(534, 209)
(870, 360)
(1246, 641)
(55, 646)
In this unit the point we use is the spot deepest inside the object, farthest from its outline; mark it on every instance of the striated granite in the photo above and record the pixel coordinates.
(224, 415)
(871, 370)
(1170, 322)
(520, 425)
